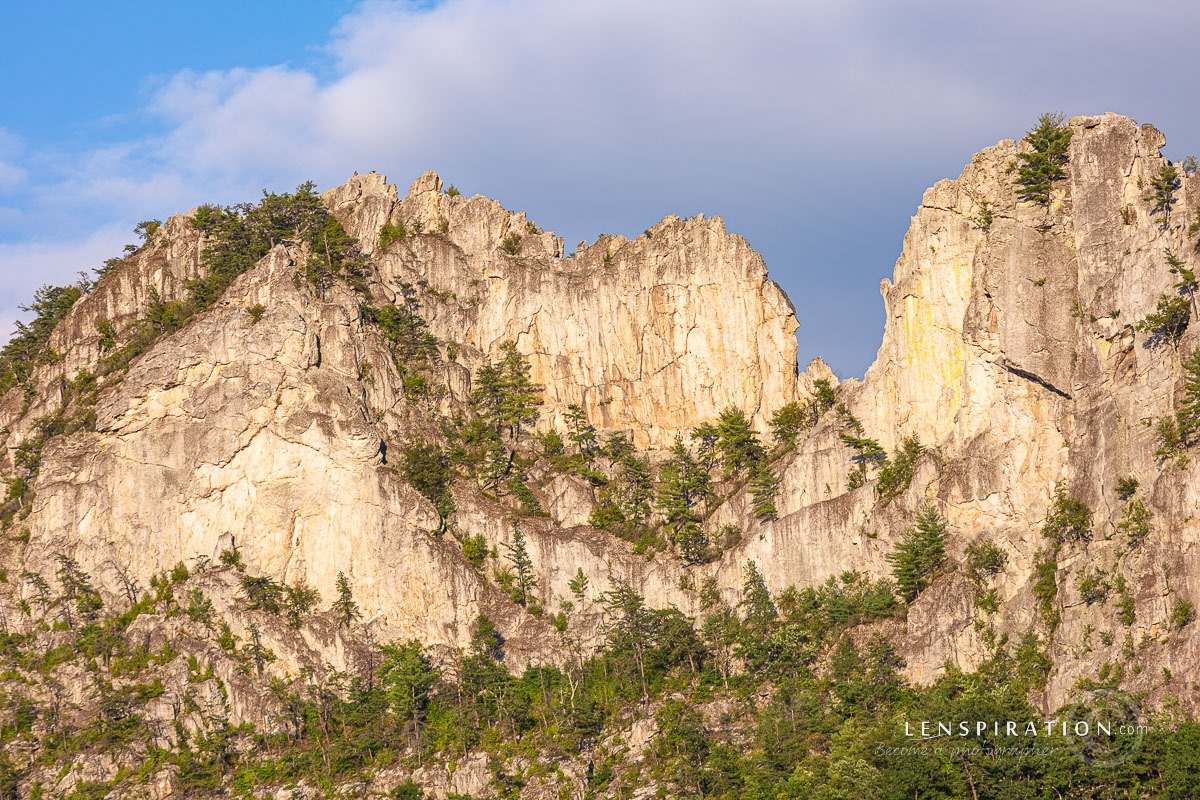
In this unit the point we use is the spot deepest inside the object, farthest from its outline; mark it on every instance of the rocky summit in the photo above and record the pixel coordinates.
(354, 494)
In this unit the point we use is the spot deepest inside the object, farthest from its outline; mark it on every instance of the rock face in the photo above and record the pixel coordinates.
(1010, 351)
(652, 336)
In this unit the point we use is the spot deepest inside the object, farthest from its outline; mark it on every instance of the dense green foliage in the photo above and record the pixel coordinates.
(29, 346)
(1043, 163)
(737, 443)
(414, 349)
(684, 491)
(237, 237)
(1069, 520)
(920, 553)
(1045, 589)
(789, 421)
(504, 394)
(1188, 415)
(427, 468)
(391, 232)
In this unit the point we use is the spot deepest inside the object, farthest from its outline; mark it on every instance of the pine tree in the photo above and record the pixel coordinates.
(578, 585)
(521, 396)
(580, 432)
(692, 541)
(497, 464)
(503, 393)
(1162, 191)
(737, 442)
(1186, 283)
(866, 450)
(1171, 318)
(682, 486)
(896, 474)
(788, 421)
(259, 655)
(920, 553)
(486, 640)
(406, 678)
(758, 609)
(77, 589)
(764, 486)
(1188, 415)
(759, 616)
(635, 489)
(629, 625)
(487, 394)
(706, 437)
(300, 600)
(1049, 142)
(344, 607)
(824, 396)
(522, 565)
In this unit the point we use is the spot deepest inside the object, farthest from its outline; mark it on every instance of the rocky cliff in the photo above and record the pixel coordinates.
(271, 424)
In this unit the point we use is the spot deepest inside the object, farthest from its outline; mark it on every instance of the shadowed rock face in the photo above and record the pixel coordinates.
(1004, 352)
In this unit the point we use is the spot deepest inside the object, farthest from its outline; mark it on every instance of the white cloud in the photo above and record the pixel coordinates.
(24, 266)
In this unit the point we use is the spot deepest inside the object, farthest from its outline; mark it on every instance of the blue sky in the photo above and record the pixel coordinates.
(811, 127)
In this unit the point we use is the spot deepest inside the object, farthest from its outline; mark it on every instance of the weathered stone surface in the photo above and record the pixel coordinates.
(652, 336)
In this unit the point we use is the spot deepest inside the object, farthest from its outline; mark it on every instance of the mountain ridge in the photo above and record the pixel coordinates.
(280, 425)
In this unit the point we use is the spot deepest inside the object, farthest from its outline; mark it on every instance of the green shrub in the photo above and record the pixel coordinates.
(147, 228)
(1126, 608)
(391, 232)
(1167, 324)
(985, 559)
(1033, 665)
(1070, 520)
(1093, 587)
(511, 244)
(764, 487)
(108, 335)
(1182, 614)
(787, 422)
(896, 474)
(427, 468)
(1137, 522)
(988, 602)
(256, 312)
(1045, 589)
(1127, 487)
(475, 551)
(984, 216)
(263, 594)
(1171, 444)
(825, 396)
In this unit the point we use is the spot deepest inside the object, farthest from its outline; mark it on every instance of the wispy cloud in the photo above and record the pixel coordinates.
(24, 266)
